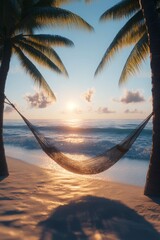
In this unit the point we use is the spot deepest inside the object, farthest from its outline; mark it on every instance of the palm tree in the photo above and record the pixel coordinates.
(142, 30)
(18, 21)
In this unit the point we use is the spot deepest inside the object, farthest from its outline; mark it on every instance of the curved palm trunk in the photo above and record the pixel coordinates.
(152, 187)
(3, 75)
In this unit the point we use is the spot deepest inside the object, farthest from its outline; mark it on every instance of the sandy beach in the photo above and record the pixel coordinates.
(44, 204)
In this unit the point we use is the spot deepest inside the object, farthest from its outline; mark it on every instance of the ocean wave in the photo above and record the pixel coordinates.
(78, 130)
(87, 140)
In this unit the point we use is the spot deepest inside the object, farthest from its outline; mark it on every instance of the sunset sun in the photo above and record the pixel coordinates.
(71, 106)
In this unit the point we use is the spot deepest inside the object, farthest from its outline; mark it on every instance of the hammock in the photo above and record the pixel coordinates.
(92, 165)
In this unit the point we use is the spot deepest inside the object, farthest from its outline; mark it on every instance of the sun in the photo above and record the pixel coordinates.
(71, 106)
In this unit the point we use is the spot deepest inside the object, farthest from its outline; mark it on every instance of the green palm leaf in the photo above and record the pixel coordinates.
(7, 20)
(54, 3)
(47, 16)
(117, 11)
(38, 56)
(49, 53)
(137, 55)
(129, 34)
(52, 40)
(34, 72)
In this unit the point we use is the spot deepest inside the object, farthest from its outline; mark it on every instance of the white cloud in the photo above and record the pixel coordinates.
(89, 94)
(104, 110)
(133, 111)
(38, 100)
(132, 97)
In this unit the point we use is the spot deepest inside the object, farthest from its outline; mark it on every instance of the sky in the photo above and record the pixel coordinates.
(81, 95)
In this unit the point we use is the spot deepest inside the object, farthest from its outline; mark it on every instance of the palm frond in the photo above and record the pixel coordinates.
(7, 21)
(129, 34)
(26, 4)
(48, 52)
(53, 3)
(122, 9)
(51, 40)
(57, 3)
(47, 16)
(136, 57)
(38, 56)
(88, 1)
(30, 68)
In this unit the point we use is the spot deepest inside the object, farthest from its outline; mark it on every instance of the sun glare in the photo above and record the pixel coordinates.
(71, 106)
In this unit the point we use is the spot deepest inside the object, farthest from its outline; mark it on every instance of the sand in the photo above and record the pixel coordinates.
(45, 204)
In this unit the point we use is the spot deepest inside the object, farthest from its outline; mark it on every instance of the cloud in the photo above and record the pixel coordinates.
(89, 95)
(132, 111)
(132, 97)
(104, 110)
(38, 100)
(8, 109)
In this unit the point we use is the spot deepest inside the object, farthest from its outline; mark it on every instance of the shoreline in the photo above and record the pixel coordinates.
(47, 204)
(125, 171)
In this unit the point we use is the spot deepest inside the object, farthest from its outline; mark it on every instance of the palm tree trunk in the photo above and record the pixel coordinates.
(152, 187)
(4, 68)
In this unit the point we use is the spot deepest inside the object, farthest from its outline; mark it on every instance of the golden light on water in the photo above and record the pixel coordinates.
(74, 122)
(74, 138)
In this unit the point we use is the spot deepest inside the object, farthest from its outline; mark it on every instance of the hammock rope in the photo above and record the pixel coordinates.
(92, 165)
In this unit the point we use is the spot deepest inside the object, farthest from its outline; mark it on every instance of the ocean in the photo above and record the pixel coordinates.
(80, 140)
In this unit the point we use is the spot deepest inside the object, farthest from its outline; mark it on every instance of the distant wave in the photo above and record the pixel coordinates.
(82, 130)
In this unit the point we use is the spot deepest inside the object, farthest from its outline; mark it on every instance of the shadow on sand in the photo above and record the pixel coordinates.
(97, 219)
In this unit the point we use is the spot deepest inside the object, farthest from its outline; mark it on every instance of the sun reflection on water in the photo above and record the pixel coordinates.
(74, 138)
(75, 122)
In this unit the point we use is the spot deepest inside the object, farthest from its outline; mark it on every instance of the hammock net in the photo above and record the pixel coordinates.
(91, 165)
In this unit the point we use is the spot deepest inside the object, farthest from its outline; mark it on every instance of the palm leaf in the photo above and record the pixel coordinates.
(52, 40)
(38, 56)
(7, 20)
(54, 3)
(48, 16)
(122, 9)
(48, 52)
(136, 57)
(129, 34)
(33, 72)
(27, 4)
(88, 1)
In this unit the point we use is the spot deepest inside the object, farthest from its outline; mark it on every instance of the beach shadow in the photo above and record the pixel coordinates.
(96, 218)
(3, 178)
